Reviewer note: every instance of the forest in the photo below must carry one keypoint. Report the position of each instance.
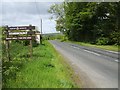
(93, 22)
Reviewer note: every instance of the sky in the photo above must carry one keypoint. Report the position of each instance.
(25, 13)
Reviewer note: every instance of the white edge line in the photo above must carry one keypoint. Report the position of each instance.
(112, 51)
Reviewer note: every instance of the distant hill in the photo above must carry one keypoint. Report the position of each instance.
(52, 34)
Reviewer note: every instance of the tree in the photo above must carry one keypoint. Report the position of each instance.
(57, 11)
(89, 21)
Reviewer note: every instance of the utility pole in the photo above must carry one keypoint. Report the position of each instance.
(41, 33)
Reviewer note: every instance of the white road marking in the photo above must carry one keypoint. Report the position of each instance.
(92, 52)
(116, 60)
(112, 51)
(75, 47)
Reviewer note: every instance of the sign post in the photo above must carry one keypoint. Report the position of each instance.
(7, 44)
(31, 50)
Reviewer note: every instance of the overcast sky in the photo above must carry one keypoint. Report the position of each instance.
(25, 13)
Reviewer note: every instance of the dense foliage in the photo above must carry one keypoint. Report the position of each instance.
(93, 22)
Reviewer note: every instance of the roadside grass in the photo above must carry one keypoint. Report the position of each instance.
(105, 47)
(18, 57)
(44, 70)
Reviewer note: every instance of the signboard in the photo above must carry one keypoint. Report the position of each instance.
(21, 28)
(19, 38)
(17, 34)
(22, 33)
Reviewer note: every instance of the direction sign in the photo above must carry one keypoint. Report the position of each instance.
(19, 38)
(22, 33)
(17, 33)
(21, 28)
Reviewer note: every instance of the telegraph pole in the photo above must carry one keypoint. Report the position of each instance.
(41, 33)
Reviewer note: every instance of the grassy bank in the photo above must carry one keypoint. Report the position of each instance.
(105, 47)
(45, 70)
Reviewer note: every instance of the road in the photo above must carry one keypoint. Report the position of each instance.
(96, 70)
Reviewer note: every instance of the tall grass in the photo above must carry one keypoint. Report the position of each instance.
(45, 70)
(18, 57)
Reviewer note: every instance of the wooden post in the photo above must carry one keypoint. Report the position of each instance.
(7, 50)
(7, 44)
(41, 33)
(31, 51)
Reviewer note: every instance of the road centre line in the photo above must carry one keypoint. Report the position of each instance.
(75, 47)
(92, 53)
(87, 51)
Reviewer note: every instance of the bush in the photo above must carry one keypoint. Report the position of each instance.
(102, 41)
(64, 38)
(35, 44)
(115, 38)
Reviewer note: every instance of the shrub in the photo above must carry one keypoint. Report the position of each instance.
(115, 38)
(102, 41)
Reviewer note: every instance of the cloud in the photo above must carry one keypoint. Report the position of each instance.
(25, 13)
(33, 0)
(25, 7)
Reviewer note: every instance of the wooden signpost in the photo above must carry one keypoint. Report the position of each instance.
(7, 43)
(19, 33)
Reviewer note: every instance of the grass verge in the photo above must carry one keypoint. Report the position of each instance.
(105, 47)
(45, 70)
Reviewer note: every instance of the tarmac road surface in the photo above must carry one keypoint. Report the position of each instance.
(96, 70)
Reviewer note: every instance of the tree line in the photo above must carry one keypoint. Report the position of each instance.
(93, 22)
